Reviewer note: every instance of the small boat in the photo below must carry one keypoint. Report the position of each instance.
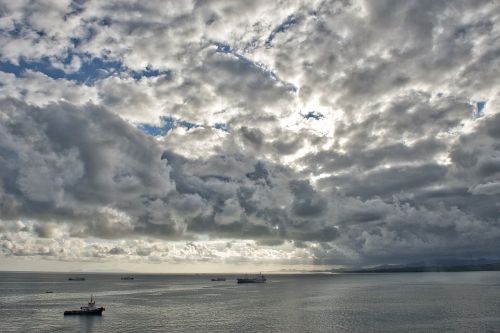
(89, 310)
(218, 279)
(127, 278)
(256, 279)
(76, 279)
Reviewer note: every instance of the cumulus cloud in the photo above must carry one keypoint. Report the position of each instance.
(328, 132)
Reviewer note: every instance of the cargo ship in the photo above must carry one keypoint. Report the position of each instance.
(257, 279)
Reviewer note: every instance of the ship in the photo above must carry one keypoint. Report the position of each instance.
(218, 279)
(127, 278)
(76, 279)
(89, 310)
(257, 279)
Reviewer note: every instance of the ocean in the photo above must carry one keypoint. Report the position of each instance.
(396, 302)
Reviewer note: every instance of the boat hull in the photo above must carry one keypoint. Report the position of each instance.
(95, 312)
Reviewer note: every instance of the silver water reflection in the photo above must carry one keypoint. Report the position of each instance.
(416, 302)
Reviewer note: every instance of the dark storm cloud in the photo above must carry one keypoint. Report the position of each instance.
(477, 154)
(414, 115)
(389, 181)
(288, 143)
(249, 215)
(71, 163)
(253, 136)
(306, 202)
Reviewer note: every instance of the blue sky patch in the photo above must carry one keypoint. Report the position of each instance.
(479, 108)
(149, 72)
(167, 123)
(221, 126)
(155, 130)
(314, 115)
(223, 47)
(92, 69)
(186, 124)
(289, 22)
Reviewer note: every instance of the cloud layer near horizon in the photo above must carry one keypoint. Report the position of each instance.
(326, 132)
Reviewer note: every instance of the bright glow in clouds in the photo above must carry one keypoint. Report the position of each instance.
(236, 136)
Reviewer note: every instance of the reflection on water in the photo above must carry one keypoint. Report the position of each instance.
(87, 323)
(417, 302)
(84, 323)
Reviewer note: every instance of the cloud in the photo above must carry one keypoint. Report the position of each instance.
(486, 189)
(70, 162)
(328, 132)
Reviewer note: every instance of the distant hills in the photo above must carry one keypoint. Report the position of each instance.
(437, 266)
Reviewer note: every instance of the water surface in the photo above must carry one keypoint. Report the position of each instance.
(397, 302)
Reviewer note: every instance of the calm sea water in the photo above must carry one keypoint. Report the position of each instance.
(405, 302)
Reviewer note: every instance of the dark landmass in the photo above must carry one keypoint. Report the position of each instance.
(420, 267)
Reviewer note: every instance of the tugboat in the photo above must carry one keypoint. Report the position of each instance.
(88, 310)
(257, 279)
(218, 279)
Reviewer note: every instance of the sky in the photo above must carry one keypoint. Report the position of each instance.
(202, 136)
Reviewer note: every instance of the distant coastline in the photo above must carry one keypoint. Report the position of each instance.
(424, 268)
